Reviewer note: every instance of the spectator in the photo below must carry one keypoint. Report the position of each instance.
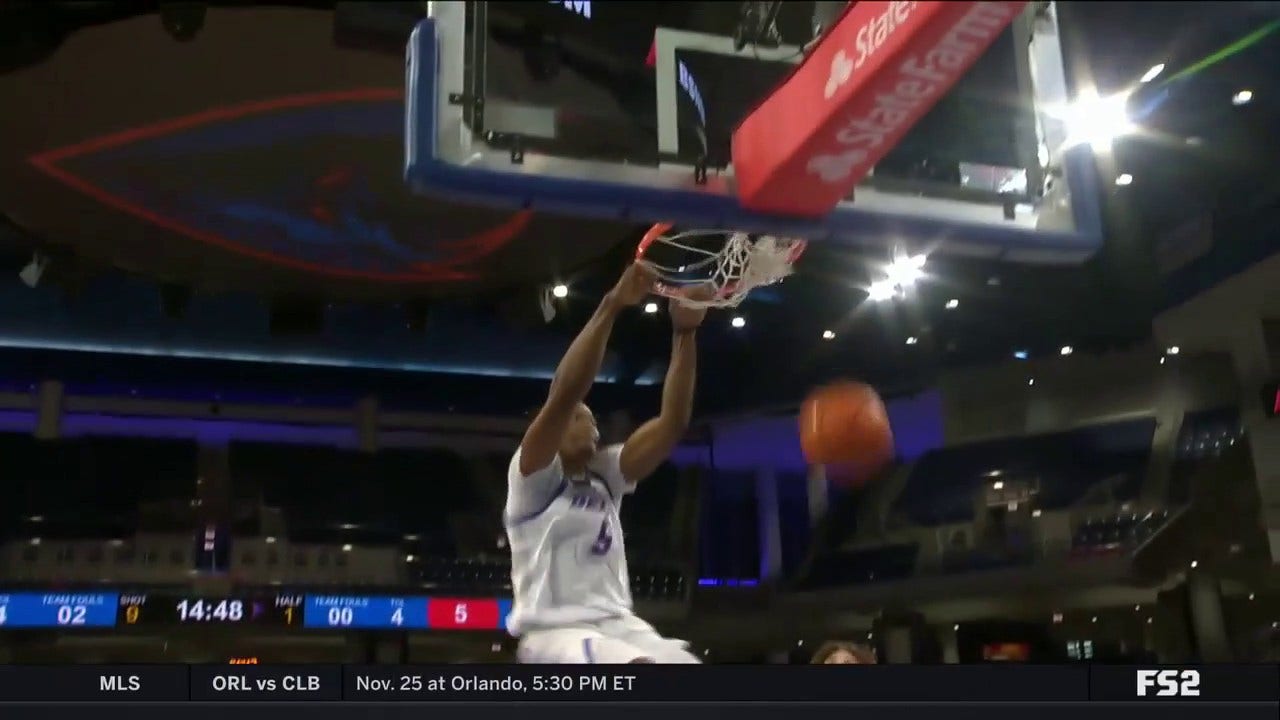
(843, 653)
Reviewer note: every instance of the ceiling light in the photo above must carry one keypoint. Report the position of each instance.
(1194, 141)
(1195, 563)
(346, 548)
(270, 540)
(913, 340)
(1250, 596)
(1031, 382)
(1124, 179)
(1035, 513)
(1066, 350)
(1172, 350)
(881, 290)
(1096, 121)
(1137, 608)
(997, 485)
(1093, 619)
(828, 335)
(651, 307)
(955, 628)
(738, 321)
(1020, 354)
(1242, 98)
(560, 291)
(952, 304)
(1161, 361)
(1153, 73)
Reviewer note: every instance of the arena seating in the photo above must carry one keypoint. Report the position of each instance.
(1065, 466)
(1204, 435)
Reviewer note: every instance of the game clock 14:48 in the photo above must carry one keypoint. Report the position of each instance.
(140, 609)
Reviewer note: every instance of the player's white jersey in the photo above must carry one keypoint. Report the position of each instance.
(568, 563)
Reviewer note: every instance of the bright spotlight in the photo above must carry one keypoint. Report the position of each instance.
(881, 290)
(900, 276)
(1020, 354)
(1097, 121)
(1153, 73)
(828, 335)
(1066, 350)
(560, 291)
(1124, 179)
(952, 304)
(913, 340)
(738, 321)
(1173, 350)
(651, 308)
(1244, 97)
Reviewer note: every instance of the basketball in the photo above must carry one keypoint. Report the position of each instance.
(844, 424)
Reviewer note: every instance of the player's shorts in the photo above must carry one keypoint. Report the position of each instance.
(617, 641)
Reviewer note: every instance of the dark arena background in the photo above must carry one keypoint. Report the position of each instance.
(282, 286)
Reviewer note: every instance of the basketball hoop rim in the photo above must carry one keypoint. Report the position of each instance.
(655, 233)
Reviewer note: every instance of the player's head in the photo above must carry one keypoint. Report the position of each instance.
(843, 653)
(582, 436)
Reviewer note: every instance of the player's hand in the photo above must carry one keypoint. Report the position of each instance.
(686, 319)
(635, 284)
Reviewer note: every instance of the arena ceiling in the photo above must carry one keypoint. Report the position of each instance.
(210, 164)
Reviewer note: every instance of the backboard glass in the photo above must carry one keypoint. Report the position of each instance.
(630, 111)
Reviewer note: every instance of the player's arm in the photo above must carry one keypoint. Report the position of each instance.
(652, 443)
(577, 371)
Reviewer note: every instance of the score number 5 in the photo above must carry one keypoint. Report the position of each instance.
(460, 613)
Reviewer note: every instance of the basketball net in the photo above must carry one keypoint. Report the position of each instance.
(725, 265)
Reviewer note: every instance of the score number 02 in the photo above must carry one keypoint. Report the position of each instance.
(65, 615)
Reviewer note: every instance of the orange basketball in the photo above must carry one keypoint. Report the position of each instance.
(845, 425)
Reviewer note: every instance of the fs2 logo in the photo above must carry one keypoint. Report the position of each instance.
(1169, 683)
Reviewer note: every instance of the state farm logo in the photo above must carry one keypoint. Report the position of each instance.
(834, 168)
(841, 71)
(866, 42)
(908, 92)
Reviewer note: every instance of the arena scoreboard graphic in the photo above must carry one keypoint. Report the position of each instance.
(114, 609)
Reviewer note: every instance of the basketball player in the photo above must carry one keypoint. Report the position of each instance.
(568, 565)
(843, 653)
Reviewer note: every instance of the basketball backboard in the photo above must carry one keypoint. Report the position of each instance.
(652, 112)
